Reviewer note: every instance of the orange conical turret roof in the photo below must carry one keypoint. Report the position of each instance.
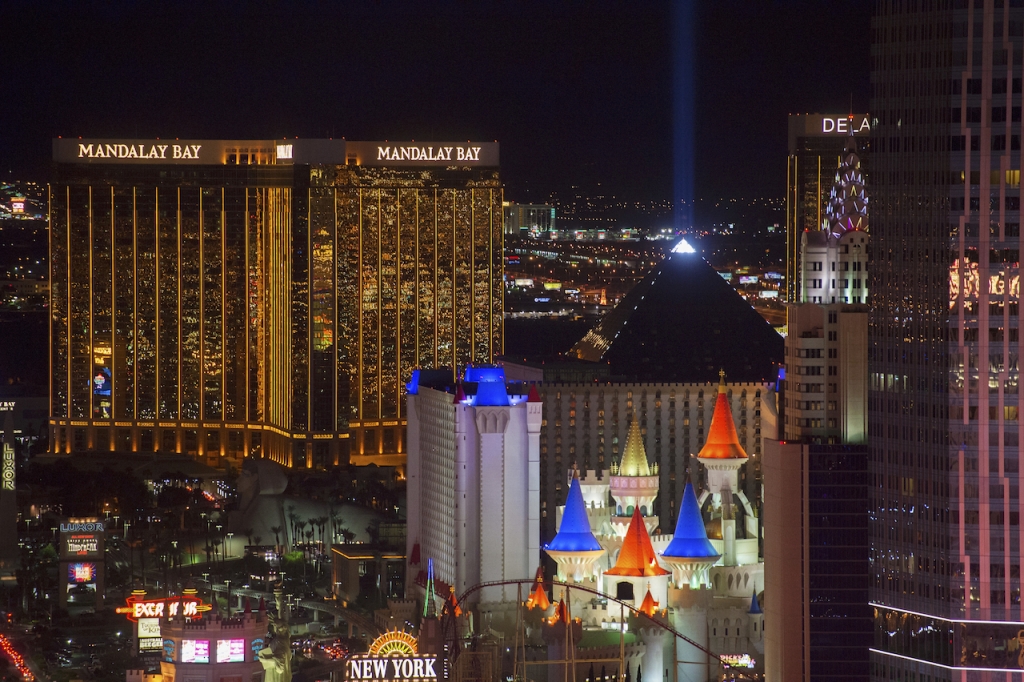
(636, 558)
(538, 599)
(649, 606)
(722, 441)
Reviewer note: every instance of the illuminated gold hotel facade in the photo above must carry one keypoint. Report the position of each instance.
(227, 299)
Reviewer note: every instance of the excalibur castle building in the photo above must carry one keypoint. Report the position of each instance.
(227, 298)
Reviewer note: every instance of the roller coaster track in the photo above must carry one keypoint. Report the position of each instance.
(451, 633)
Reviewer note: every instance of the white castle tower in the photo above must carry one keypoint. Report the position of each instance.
(634, 483)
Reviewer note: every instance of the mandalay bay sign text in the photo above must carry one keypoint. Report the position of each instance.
(291, 152)
(423, 153)
(138, 151)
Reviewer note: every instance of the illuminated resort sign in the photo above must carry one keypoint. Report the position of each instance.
(827, 125)
(137, 151)
(263, 152)
(139, 608)
(100, 150)
(414, 153)
(81, 525)
(392, 656)
(8, 467)
(844, 125)
(423, 154)
(394, 668)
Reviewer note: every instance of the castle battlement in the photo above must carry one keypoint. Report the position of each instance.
(593, 477)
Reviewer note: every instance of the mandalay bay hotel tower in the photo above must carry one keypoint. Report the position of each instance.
(233, 298)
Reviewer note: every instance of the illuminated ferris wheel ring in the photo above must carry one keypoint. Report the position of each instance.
(394, 643)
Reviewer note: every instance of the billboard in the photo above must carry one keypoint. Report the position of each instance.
(195, 651)
(150, 644)
(149, 627)
(230, 650)
(81, 545)
(748, 279)
(81, 539)
(82, 573)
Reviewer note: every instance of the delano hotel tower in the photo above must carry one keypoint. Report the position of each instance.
(233, 298)
(946, 507)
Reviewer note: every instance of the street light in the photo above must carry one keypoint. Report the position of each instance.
(227, 545)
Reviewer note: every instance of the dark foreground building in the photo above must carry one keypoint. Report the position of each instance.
(818, 623)
(944, 340)
(228, 298)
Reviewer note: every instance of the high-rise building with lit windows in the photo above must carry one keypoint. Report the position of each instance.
(944, 345)
(817, 142)
(225, 298)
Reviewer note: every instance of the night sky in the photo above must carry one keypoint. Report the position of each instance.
(578, 93)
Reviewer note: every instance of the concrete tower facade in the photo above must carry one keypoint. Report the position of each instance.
(473, 480)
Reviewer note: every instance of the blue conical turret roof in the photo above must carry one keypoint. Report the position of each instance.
(691, 538)
(574, 534)
(755, 608)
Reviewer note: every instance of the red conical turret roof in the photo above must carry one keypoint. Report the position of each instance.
(722, 441)
(636, 558)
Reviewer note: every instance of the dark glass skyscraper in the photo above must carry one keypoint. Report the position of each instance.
(231, 298)
(944, 343)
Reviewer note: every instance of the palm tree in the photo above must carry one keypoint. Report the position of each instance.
(321, 523)
(335, 524)
(277, 538)
(293, 518)
(248, 535)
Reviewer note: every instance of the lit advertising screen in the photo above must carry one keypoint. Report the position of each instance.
(195, 651)
(151, 644)
(82, 573)
(149, 627)
(85, 545)
(748, 279)
(230, 650)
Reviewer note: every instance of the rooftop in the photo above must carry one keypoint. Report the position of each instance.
(683, 322)
(637, 558)
(722, 441)
(574, 534)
